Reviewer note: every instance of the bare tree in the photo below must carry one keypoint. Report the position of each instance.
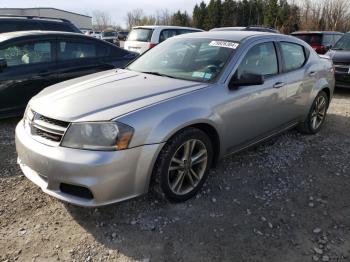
(325, 15)
(101, 20)
(134, 18)
(163, 17)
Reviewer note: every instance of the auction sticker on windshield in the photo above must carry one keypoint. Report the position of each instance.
(226, 44)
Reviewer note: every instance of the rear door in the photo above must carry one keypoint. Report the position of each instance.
(30, 67)
(298, 79)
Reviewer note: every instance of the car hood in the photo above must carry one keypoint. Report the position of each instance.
(107, 95)
(339, 55)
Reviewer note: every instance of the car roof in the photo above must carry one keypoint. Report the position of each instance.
(16, 34)
(236, 36)
(316, 32)
(247, 28)
(166, 27)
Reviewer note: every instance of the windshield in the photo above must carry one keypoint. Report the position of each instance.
(109, 33)
(140, 34)
(343, 43)
(200, 60)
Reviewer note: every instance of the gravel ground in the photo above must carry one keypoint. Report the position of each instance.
(285, 200)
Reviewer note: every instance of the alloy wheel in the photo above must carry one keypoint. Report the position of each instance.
(187, 166)
(319, 113)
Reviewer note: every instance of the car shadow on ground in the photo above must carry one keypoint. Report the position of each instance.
(254, 207)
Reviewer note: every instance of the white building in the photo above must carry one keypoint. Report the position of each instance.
(83, 22)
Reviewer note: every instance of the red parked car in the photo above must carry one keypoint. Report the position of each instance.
(320, 41)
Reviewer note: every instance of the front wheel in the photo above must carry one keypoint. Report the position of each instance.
(317, 115)
(183, 165)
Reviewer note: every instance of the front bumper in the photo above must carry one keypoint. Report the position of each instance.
(110, 176)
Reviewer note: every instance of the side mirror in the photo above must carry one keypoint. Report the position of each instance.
(3, 64)
(246, 79)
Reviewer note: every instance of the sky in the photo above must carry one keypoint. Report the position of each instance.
(116, 8)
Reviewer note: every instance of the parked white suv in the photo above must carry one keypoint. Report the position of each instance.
(142, 38)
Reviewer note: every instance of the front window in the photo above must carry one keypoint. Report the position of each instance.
(259, 60)
(343, 43)
(27, 53)
(140, 34)
(200, 60)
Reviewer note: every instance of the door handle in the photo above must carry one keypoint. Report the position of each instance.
(313, 73)
(278, 85)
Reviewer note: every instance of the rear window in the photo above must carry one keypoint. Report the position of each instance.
(53, 26)
(140, 34)
(311, 39)
(107, 34)
(293, 54)
(11, 26)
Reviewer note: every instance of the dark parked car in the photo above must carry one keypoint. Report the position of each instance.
(340, 54)
(257, 28)
(9, 23)
(320, 41)
(123, 35)
(33, 60)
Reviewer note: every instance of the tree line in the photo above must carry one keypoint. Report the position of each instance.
(285, 15)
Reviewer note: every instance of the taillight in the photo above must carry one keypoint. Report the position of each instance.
(320, 49)
(151, 45)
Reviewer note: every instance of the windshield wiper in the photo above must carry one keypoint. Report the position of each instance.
(157, 74)
(337, 48)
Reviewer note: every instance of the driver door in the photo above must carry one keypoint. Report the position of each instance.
(253, 112)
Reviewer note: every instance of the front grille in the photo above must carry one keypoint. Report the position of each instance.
(53, 121)
(47, 130)
(46, 135)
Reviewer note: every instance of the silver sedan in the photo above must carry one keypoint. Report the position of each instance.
(168, 117)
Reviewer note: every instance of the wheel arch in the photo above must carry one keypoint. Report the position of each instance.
(207, 128)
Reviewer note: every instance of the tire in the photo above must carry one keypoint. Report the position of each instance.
(172, 168)
(317, 110)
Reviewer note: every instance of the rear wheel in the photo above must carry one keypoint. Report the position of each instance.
(183, 165)
(317, 115)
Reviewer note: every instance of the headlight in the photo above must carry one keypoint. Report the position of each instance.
(28, 114)
(27, 117)
(105, 136)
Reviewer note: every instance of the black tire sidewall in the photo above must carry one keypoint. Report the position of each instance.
(163, 162)
(309, 124)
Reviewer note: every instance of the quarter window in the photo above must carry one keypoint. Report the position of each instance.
(294, 56)
(260, 60)
(167, 33)
(27, 53)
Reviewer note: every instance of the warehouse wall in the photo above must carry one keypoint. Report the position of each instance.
(81, 21)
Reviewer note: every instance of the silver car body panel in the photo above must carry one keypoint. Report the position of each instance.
(158, 107)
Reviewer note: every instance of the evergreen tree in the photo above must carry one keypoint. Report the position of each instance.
(214, 14)
(271, 15)
(229, 13)
(180, 19)
(200, 15)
